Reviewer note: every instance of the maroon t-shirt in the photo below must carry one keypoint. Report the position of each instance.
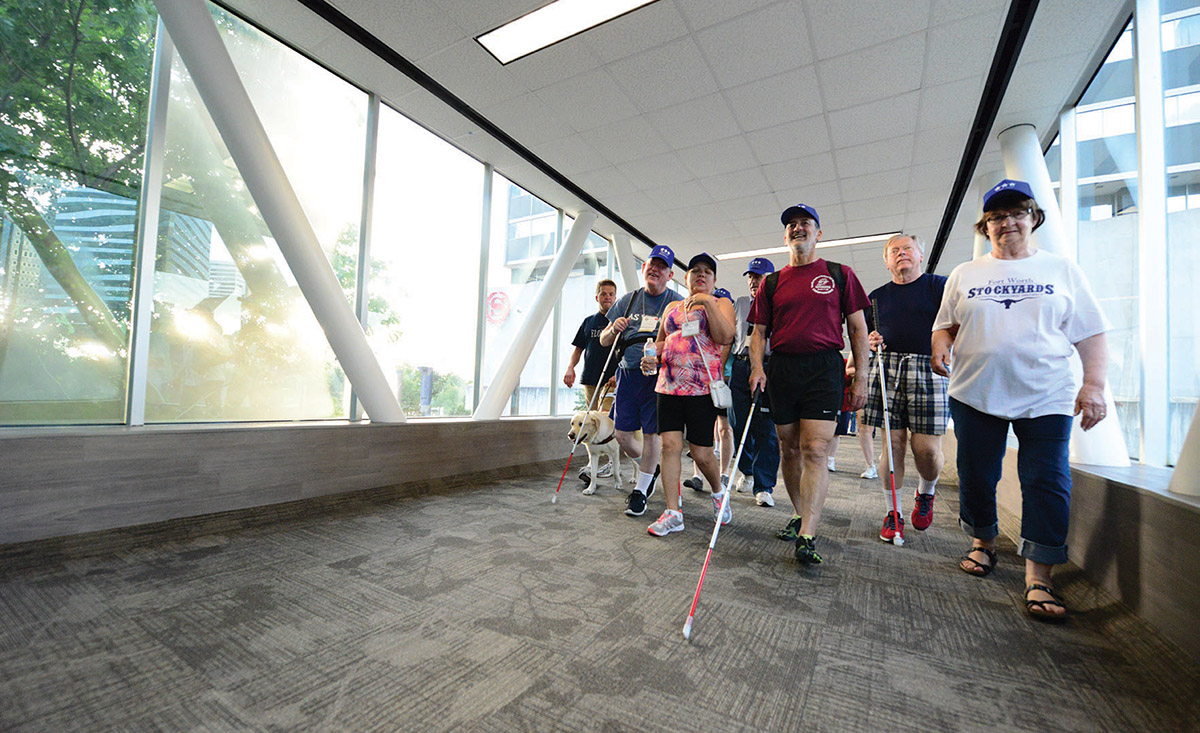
(806, 313)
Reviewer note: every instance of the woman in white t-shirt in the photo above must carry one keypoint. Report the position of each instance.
(1013, 317)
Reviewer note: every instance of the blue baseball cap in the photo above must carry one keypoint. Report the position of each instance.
(1004, 191)
(664, 253)
(759, 266)
(795, 210)
(722, 293)
(703, 258)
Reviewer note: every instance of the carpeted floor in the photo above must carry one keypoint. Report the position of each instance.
(490, 609)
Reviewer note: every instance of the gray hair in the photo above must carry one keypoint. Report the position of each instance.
(916, 240)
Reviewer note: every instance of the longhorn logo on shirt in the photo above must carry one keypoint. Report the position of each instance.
(823, 285)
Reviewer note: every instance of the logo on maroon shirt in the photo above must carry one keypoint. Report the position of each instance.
(823, 285)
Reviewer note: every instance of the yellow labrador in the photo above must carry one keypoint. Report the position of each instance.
(595, 432)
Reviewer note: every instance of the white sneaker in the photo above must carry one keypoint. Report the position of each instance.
(669, 521)
(871, 472)
(728, 515)
(745, 484)
(829, 462)
(605, 470)
(764, 498)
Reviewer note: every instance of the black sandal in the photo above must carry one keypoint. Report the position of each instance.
(1037, 609)
(980, 570)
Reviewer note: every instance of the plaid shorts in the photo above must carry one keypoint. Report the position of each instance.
(917, 399)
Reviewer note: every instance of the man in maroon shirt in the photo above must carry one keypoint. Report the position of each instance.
(802, 316)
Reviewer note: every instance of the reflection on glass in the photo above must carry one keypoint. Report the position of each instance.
(74, 87)
(425, 268)
(232, 337)
(521, 248)
(1181, 105)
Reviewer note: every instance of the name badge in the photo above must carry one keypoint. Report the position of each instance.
(649, 324)
(690, 328)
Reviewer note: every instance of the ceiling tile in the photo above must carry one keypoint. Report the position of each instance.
(773, 101)
(679, 195)
(626, 140)
(928, 198)
(874, 185)
(695, 121)
(664, 75)
(819, 195)
(791, 140)
(894, 67)
(604, 182)
(790, 174)
(415, 29)
(954, 102)
(656, 171)
(938, 175)
(645, 28)
(563, 60)
(472, 73)
(877, 206)
(629, 206)
(527, 119)
(875, 121)
(570, 155)
(726, 186)
(476, 18)
(749, 206)
(754, 46)
(839, 27)
(719, 156)
(703, 13)
(939, 143)
(878, 156)
(763, 225)
(588, 100)
(962, 49)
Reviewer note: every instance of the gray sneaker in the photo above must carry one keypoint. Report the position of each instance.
(764, 498)
(745, 484)
(669, 521)
(727, 515)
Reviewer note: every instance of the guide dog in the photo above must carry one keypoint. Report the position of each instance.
(595, 431)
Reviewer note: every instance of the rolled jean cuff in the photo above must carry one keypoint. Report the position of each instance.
(981, 533)
(1044, 554)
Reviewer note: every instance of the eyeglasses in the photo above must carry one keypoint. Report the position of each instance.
(999, 217)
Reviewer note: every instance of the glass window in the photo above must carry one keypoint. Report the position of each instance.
(425, 267)
(578, 302)
(512, 285)
(72, 132)
(232, 336)
(1181, 67)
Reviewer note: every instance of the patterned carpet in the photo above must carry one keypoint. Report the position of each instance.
(488, 608)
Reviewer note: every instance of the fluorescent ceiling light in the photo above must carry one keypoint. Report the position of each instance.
(820, 245)
(550, 24)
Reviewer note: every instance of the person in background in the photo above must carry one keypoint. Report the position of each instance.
(587, 345)
(801, 310)
(847, 419)
(917, 403)
(759, 465)
(724, 434)
(1012, 319)
(634, 318)
(689, 358)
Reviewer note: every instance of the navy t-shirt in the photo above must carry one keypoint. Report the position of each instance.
(588, 339)
(906, 313)
(644, 306)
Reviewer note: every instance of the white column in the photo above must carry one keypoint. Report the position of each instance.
(625, 261)
(199, 45)
(1069, 179)
(1152, 231)
(147, 230)
(362, 299)
(1186, 478)
(1103, 445)
(1024, 161)
(505, 381)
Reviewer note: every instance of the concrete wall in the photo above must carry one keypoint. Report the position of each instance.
(1128, 535)
(56, 482)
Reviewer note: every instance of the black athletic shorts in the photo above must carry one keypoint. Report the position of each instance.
(805, 386)
(694, 416)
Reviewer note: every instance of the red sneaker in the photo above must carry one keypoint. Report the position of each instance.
(922, 514)
(888, 533)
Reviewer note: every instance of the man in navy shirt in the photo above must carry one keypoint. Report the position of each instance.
(587, 344)
(918, 406)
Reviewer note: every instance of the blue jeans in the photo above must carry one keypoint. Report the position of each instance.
(1042, 468)
(760, 457)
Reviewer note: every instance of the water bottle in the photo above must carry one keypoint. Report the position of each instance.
(651, 352)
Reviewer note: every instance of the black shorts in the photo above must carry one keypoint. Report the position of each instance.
(805, 386)
(694, 416)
